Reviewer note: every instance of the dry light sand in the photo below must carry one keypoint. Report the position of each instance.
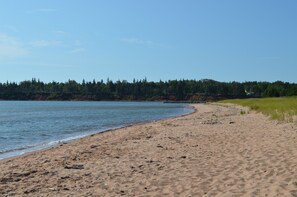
(212, 152)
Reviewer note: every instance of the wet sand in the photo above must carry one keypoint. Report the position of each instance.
(215, 151)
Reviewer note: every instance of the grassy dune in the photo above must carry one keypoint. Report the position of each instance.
(283, 108)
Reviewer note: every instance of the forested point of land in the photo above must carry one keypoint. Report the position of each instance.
(143, 90)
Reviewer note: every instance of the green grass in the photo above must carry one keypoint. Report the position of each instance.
(283, 108)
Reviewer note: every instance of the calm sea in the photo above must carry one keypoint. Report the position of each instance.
(32, 125)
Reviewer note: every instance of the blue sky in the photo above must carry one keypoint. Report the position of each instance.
(224, 40)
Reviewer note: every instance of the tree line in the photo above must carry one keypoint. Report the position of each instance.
(143, 90)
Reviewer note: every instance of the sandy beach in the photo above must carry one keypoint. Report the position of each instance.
(216, 151)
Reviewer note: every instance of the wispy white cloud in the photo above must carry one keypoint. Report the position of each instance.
(78, 50)
(78, 47)
(77, 43)
(60, 32)
(143, 42)
(10, 47)
(45, 43)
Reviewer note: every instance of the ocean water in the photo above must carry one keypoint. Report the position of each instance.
(26, 126)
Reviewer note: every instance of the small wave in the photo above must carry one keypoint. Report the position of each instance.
(30, 148)
(15, 149)
(52, 143)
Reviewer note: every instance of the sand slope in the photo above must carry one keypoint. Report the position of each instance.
(213, 152)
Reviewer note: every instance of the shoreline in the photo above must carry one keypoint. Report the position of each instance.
(65, 141)
(214, 151)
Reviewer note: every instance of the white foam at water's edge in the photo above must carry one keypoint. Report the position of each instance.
(36, 147)
(28, 149)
